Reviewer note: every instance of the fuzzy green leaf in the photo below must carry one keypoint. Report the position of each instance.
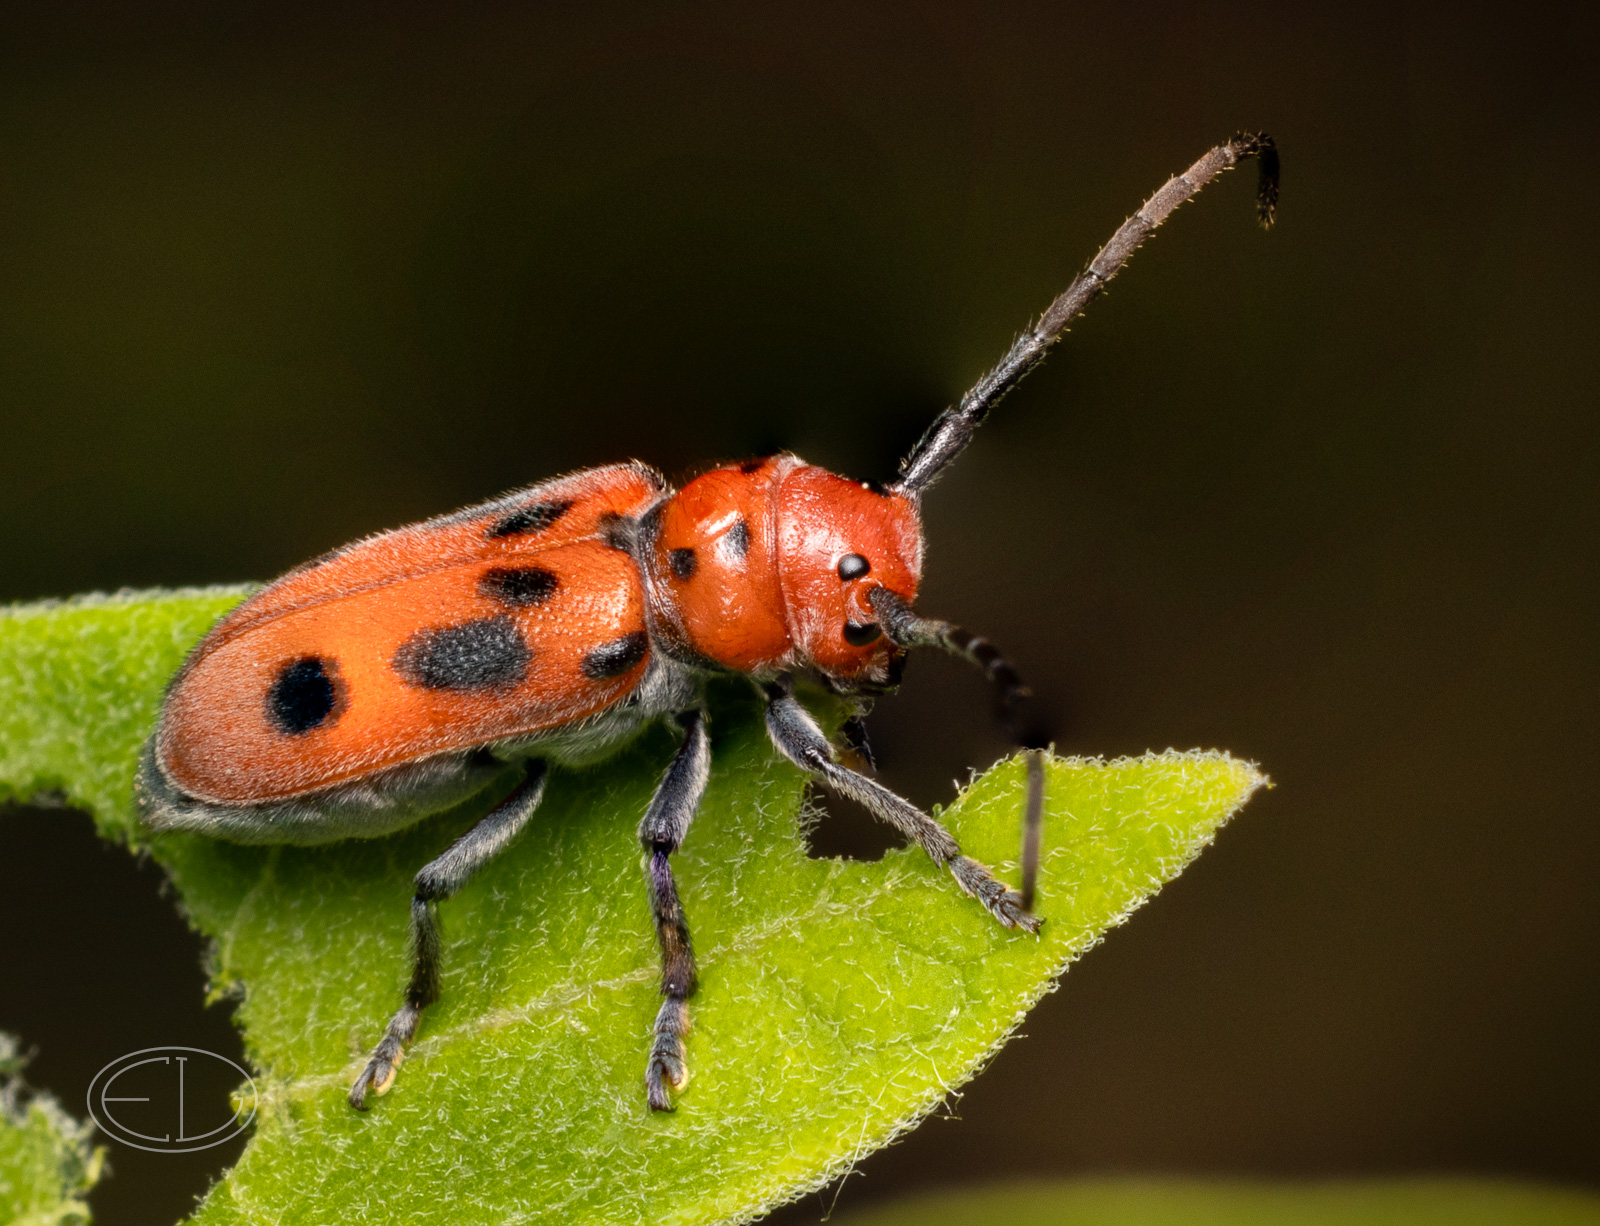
(46, 1161)
(839, 1002)
(1156, 1202)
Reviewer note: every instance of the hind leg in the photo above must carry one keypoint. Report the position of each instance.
(439, 880)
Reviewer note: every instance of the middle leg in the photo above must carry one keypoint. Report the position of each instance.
(662, 831)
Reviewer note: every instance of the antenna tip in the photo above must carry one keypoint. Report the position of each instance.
(1265, 150)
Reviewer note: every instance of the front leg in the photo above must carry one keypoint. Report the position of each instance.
(665, 824)
(438, 880)
(799, 739)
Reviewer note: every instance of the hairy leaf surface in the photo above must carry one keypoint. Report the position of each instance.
(47, 1163)
(839, 1001)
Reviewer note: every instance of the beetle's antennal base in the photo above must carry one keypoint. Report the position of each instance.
(952, 430)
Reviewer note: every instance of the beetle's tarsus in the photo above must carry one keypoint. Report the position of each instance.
(376, 1079)
(668, 1066)
(1004, 904)
(378, 1076)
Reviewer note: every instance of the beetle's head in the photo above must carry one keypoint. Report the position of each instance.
(837, 540)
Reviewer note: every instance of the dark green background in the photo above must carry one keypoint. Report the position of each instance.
(271, 279)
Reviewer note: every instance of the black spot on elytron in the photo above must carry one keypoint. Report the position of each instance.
(853, 566)
(304, 696)
(738, 538)
(616, 657)
(860, 636)
(535, 517)
(615, 531)
(753, 466)
(519, 586)
(683, 563)
(487, 653)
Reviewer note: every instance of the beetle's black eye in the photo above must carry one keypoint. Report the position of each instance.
(860, 636)
(853, 566)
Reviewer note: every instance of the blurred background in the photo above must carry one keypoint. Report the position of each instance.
(276, 276)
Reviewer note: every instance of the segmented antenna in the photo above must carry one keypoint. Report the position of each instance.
(905, 628)
(1032, 827)
(952, 430)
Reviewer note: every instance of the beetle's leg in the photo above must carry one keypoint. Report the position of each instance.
(799, 739)
(665, 823)
(439, 880)
(905, 628)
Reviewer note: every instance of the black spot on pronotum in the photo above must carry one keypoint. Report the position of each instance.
(860, 636)
(738, 539)
(306, 694)
(683, 563)
(519, 586)
(853, 566)
(487, 653)
(753, 466)
(535, 517)
(616, 657)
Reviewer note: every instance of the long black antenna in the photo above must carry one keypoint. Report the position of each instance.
(952, 430)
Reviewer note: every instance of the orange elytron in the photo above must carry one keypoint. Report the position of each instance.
(403, 674)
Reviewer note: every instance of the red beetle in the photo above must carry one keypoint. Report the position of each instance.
(400, 675)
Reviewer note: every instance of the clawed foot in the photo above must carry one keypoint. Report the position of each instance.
(377, 1077)
(668, 1064)
(1004, 904)
(666, 1068)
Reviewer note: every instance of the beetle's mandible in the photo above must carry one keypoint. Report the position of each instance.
(400, 675)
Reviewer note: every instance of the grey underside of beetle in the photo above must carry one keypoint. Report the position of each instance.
(392, 799)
